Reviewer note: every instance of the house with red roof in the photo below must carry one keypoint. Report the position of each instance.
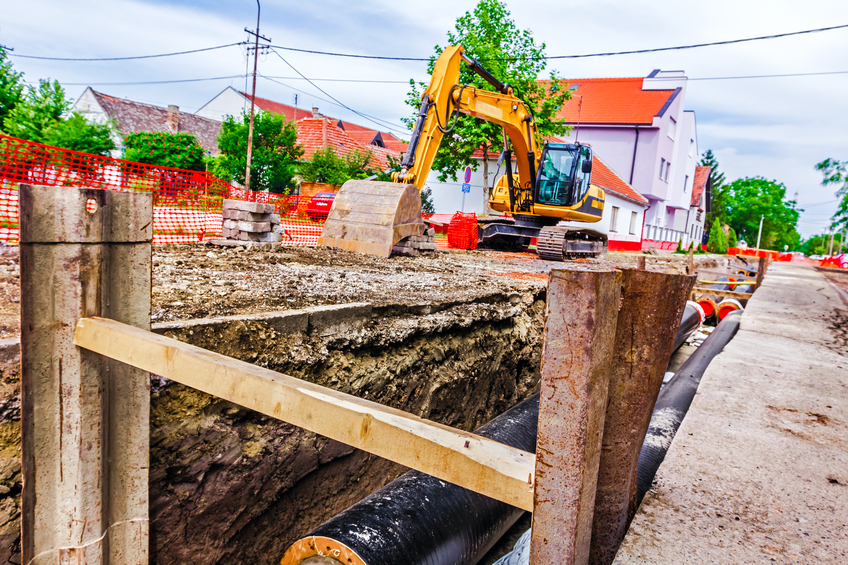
(640, 127)
(314, 130)
(129, 116)
(699, 205)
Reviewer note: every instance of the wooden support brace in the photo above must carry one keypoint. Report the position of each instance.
(761, 271)
(462, 458)
(582, 308)
(702, 290)
(84, 419)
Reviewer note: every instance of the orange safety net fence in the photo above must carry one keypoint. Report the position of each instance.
(187, 205)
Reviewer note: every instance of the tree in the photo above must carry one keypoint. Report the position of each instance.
(719, 199)
(427, 206)
(836, 173)
(512, 55)
(275, 151)
(326, 166)
(39, 109)
(11, 87)
(731, 238)
(717, 243)
(165, 149)
(78, 134)
(755, 197)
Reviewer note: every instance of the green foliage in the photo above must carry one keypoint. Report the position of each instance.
(731, 238)
(427, 205)
(326, 166)
(719, 203)
(275, 152)
(78, 134)
(751, 198)
(39, 109)
(717, 242)
(836, 173)
(512, 56)
(163, 149)
(820, 244)
(11, 88)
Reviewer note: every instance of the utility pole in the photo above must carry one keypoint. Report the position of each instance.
(830, 252)
(759, 233)
(253, 95)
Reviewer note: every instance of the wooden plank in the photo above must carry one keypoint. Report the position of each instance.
(761, 271)
(462, 458)
(700, 291)
(700, 272)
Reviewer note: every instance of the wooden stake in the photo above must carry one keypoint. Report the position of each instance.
(582, 309)
(652, 306)
(761, 271)
(640, 262)
(84, 419)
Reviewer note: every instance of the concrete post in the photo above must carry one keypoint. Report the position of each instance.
(582, 309)
(652, 306)
(640, 262)
(85, 418)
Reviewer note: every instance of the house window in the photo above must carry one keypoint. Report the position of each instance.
(691, 147)
(667, 167)
(662, 166)
(633, 217)
(672, 125)
(686, 183)
(614, 218)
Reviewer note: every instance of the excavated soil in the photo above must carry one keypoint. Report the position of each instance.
(454, 337)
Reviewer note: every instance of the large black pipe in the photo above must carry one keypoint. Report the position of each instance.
(420, 520)
(690, 322)
(674, 401)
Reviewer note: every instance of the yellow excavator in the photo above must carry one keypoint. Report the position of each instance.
(551, 184)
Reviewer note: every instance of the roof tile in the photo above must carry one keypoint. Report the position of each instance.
(612, 101)
(699, 183)
(606, 178)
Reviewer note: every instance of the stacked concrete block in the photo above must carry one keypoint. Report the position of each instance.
(415, 244)
(251, 221)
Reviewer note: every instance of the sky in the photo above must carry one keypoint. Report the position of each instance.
(777, 128)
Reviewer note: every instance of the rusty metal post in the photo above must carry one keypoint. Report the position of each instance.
(690, 262)
(652, 306)
(640, 262)
(761, 272)
(85, 419)
(582, 309)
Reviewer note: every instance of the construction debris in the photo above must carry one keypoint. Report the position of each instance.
(413, 244)
(251, 221)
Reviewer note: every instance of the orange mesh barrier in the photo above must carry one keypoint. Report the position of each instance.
(462, 231)
(186, 204)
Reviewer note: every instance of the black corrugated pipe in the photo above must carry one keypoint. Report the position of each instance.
(674, 401)
(420, 520)
(693, 317)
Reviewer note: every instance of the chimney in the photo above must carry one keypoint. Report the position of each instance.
(173, 119)
(315, 112)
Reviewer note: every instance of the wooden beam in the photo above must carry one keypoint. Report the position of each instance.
(462, 458)
(723, 274)
(701, 290)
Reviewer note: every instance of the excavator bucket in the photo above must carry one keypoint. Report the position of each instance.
(370, 217)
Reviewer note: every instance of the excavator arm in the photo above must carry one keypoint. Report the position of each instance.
(445, 96)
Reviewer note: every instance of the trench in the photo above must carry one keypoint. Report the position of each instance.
(228, 485)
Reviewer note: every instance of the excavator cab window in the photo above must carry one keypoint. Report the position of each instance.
(562, 164)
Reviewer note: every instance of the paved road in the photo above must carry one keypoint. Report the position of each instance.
(758, 472)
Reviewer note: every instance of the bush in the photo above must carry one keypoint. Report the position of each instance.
(731, 238)
(162, 149)
(717, 242)
(328, 167)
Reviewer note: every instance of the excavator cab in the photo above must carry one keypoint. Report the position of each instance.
(564, 174)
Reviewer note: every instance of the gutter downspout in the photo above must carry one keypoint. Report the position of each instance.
(642, 234)
(635, 147)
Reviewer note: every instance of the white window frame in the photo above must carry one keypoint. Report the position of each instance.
(685, 183)
(613, 219)
(691, 147)
(633, 217)
(672, 127)
(662, 166)
(667, 167)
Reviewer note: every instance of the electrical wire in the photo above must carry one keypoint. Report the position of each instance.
(124, 58)
(606, 54)
(337, 101)
(149, 82)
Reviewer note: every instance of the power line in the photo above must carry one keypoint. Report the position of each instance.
(124, 58)
(344, 80)
(149, 81)
(336, 100)
(606, 54)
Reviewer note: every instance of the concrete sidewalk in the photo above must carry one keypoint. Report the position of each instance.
(758, 472)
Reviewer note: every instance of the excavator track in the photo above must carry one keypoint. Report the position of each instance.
(558, 243)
